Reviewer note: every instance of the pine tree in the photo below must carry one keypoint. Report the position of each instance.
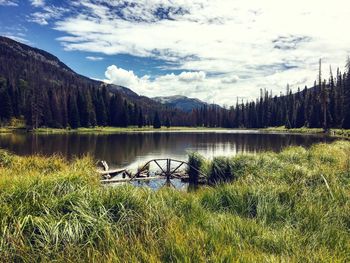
(35, 107)
(140, 121)
(83, 110)
(101, 112)
(56, 110)
(74, 121)
(124, 117)
(346, 122)
(113, 116)
(156, 121)
(6, 111)
(90, 110)
(167, 122)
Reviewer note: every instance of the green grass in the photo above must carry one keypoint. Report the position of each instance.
(18, 126)
(119, 129)
(13, 125)
(294, 130)
(10, 129)
(293, 206)
(341, 133)
(196, 163)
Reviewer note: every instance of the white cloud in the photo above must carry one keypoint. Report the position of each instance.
(192, 76)
(230, 80)
(46, 14)
(192, 84)
(235, 47)
(37, 3)
(122, 77)
(8, 2)
(92, 58)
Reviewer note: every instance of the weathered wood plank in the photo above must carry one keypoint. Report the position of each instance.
(111, 172)
(127, 180)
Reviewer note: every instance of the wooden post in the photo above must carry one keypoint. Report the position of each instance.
(168, 169)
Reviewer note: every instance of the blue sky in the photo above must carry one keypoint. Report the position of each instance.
(215, 50)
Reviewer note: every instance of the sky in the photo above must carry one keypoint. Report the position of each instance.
(215, 50)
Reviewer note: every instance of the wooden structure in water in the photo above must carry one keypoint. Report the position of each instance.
(167, 172)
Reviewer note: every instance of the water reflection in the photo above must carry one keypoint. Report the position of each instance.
(122, 150)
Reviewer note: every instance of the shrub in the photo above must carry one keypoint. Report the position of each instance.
(195, 161)
(5, 158)
(220, 170)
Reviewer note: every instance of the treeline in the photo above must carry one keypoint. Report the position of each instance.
(59, 108)
(325, 105)
(47, 94)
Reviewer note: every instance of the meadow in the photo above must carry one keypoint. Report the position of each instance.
(292, 206)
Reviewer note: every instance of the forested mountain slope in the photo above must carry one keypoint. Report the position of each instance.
(38, 86)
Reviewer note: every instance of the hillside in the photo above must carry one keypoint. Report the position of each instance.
(37, 85)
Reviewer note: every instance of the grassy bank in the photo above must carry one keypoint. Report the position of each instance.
(293, 206)
(104, 130)
(113, 129)
(341, 133)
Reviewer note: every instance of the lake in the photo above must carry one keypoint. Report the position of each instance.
(134, 149)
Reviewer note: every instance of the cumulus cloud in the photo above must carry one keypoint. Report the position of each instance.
(122, 77)
(192, 76)
(184, 83)
(215, 89)
(234, 47)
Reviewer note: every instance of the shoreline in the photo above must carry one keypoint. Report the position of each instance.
(335, 133)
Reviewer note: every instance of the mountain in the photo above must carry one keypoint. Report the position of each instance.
(38, 86)
(183, 103)
(22, 56)
(180, 102)
(40, 89)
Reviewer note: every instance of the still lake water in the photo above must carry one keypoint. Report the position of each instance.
(134, 149)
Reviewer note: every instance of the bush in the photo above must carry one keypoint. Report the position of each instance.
(195, 161)
(220, 170)
(6, 158)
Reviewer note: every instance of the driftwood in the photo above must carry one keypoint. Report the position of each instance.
(143, 174)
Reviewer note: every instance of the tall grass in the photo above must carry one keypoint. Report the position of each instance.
(278, 208)
(196, 164)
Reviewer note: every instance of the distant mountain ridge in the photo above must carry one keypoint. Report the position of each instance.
(182, 102)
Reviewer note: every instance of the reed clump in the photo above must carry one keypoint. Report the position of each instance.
(196, 167)
(292, 206)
